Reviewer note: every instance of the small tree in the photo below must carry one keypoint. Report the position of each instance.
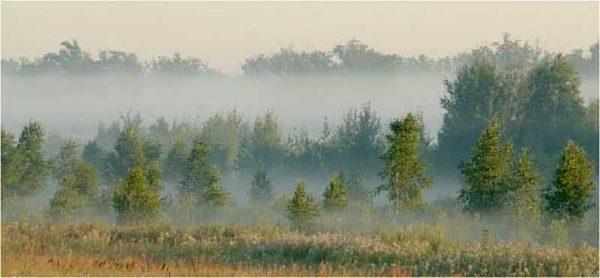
(485, 174)
(75, 190)
(403, 169)
(301, 209)
(569, 196)
(335, 195)
(523, 200)
(357, 192)
(134, 200)
(262, 189)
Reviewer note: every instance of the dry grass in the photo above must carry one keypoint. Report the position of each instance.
(159, 250)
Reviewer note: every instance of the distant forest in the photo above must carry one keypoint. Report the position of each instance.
(353, 57)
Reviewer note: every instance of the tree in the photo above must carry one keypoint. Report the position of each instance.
(523, 201)
(75, 189)
(403, 168)
(357, 193)
(570, 194)
(266, 142)
(356, 140)
(262, 189)
(178, 65)
(12, 165)
(480, 93)
(36, 169)
(94, 154)
(301, 209)
(128, 150)
(175, 161)
(201, 177)
(553, 111)
(485, 173)
(335, 195)
(135, 201)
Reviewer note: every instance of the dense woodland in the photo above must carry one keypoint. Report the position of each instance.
(516, 132)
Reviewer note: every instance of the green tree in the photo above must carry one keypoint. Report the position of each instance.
(266, 142)
(480, 93)
(94, 154)
(12, 165)
(570, 195)
(135, 201)
(301, 209)
(36, 169)
(76, 188)
(335, 197)
(128, 150)
(554, 109)
(523, 201)
(485, 173)
(403, 169)
(201, 177)
(176, 159)
(261, 188)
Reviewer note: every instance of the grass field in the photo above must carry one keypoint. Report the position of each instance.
(96, 249)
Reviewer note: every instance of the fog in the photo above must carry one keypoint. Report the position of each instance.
(74, 105)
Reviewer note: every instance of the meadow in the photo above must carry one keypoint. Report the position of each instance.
(91, 249)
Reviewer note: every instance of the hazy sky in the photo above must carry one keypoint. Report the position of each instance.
(225, 33)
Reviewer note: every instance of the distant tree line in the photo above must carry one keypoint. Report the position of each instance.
(352, 57)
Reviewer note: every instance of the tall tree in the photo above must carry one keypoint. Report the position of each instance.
(485, 173)
(12, 164)
(176, 159)
(553, 109)
(261, 188)
(479, 93)
(301, 209)
(335, 197)
(570, 195)
(403, 169)
(35, 171)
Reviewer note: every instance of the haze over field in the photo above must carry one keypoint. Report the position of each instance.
(300, 138)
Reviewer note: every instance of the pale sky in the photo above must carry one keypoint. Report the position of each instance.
(225, 33)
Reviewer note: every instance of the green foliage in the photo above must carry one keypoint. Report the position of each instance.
(553, 110)
(224, 134)
(570, 195)
(485, 173)
(479, 94)
(128, 150)
(266, 142)
(261, 188)
(403, 170)
(78, 182)
(12, 164)
(94, 154)
(356, 140)
(25, 165)
(134, 200)
(201, 177)
(335, 196)
(301, 209)
(523, 201)
(176, 159)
